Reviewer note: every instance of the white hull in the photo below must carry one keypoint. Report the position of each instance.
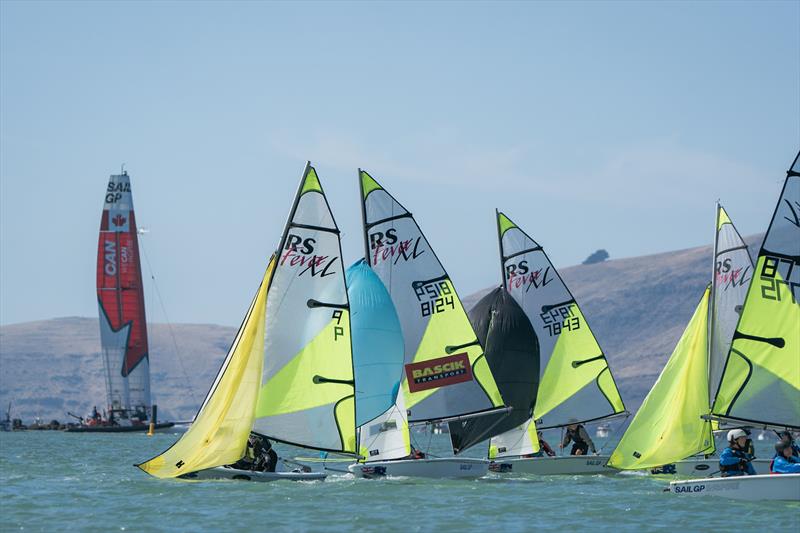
(223, 472)
(704, 467)
(753, 488)
(552, 466)
(445, 467)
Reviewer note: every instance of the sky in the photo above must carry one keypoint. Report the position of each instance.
(611, 125)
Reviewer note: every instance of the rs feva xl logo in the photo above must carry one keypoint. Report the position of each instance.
(439, 372)
(299, 252)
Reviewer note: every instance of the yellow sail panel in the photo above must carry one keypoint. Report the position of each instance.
(218, 435)
(576, 362)
(761, 381)
(317, 384)
(668, 427)
(442, 329)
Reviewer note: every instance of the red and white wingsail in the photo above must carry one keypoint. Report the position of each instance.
(120, 296)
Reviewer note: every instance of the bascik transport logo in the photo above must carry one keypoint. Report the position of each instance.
(438, 372)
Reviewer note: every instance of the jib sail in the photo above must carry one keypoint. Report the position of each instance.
(378, 364)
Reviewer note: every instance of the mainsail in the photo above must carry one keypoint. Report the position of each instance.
(512, 349)
(378, 365)
(667, 427)
(575, 382)
(289, 373)
(761, 380)
(733, 270)
(120, 296)
(446, 373)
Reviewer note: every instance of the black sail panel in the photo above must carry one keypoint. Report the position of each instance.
(512, 351)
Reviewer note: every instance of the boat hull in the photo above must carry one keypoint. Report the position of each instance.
(250, 475)
(118, 429)
(753, 488)
(569, 465)
(704, 467)
(443, 467)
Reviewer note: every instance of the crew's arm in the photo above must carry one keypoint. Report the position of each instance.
(728, 458)
(585, 436)
(782, 466)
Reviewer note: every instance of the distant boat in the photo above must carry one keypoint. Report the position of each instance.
(571, 378)
(760, 384)
(123, 328)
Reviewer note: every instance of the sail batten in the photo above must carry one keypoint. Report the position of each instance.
(446, 374)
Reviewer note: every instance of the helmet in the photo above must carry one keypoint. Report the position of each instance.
(785, 435)
(735, 434)
(781, 445)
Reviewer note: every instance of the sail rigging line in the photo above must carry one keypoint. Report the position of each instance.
(192, 391)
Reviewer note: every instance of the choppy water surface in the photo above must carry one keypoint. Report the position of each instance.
(53, 480)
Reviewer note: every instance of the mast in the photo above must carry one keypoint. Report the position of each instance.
(713, 299)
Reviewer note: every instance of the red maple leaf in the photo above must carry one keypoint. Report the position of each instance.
(118, 220)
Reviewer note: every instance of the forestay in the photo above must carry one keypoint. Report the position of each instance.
(761, 379)
(575, 383)
(446, 373)
(378, 365)
(120, 297)
(667, 427)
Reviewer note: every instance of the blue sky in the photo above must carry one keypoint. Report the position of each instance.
(593, 125)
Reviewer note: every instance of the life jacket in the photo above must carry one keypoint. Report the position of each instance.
(738, 467)
(575, 435)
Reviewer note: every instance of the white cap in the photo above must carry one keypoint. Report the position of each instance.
(735, 434)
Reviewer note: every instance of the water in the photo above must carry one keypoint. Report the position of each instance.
(52, 480)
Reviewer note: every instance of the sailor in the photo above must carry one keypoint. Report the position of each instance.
(415, 453)
(784, 461)
(544, 448)
(786, 436)
(580, 439)
(95, 414)
(264, 457)
(734, 460)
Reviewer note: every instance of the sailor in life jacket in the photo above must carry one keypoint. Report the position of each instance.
(580, 439)
(784, 461)
(734, 460)
(788, 438)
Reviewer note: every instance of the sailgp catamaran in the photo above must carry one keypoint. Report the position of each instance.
(668, 427)
(575, 384)
(760, 383)
(446, 375)
(289, 374)
(123, 328)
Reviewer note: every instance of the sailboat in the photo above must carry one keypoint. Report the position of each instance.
(575, 384)
(445, 374)
(668, 427)
(760, 384)
(288, 375)
(123, 327)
